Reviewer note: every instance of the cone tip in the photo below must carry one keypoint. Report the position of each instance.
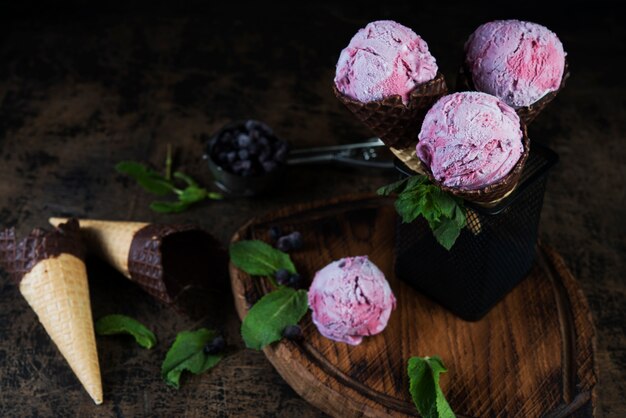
(57, 221)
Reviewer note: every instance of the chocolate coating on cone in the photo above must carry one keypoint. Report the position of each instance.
(395, 123)
(527, 114)
(18, 257)
(163, 269)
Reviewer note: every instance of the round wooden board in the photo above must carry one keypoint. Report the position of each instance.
(532, 355)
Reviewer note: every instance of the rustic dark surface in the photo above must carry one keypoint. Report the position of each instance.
(80, 91)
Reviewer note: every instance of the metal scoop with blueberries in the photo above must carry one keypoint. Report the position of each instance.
(246, 158)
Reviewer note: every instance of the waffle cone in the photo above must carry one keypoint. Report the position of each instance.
(527, 113)
(395, 123)
(109, 240)
(135, 249)
(56, 289)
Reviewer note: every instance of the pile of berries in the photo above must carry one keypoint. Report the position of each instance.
(248, 149)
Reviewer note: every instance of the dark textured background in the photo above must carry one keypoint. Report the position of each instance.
(81, 89)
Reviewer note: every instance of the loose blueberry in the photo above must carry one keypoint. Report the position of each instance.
(295, 280)
(292, 332)
(231, 156)
(282, 277)
(215, 346)
(296, 240)
(284, 244)
(275, 233)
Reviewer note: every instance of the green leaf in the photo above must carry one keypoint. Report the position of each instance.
(192, 194)
(187, 353)
(267, 319)
(443, 212)
(258, 258)
(169, 207)
(147, 178)
(185, 178)
(215, 196)
(396, 187)
(424, 387)
(122, 324)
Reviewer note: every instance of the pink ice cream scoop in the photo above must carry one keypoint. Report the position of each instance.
(470, 140)
(350, 298)
(384, 59)
(519, 62)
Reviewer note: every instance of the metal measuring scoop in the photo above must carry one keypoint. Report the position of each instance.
(368, 154)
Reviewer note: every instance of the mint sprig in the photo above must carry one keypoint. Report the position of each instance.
(122, 324)
(270, 315)
(258, 258)
(160, 185)
(424, 387)
(417, 196)
(267, 319)
(188, 353)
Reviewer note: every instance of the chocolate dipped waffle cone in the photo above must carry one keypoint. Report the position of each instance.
(526, 113)
(49, 269)
(162, 259)
(395, 123)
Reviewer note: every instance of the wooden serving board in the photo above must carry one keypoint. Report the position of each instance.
(531, 356)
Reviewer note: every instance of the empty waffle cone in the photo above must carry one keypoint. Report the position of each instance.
(52, 278)
(162, 259)
(526, 113)
(395, 123)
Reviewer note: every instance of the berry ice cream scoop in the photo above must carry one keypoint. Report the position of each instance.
(470, 140)
(519, 62)
(383, 59)
(350, 298)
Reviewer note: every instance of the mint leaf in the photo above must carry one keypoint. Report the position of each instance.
(122, 324)
(417, 197)
(424, 387)
(396, 187)
(259, 259)
(169, 207)
(185, 178)
(147, 178)
(187, 353)
(267, 319)
(192, 194)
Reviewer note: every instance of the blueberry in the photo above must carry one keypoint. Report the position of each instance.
(269, 166)
(253, 149)
(215, 346)
(275, 233)
(243, 154)
(284, 243)
(296, 240)
(242, 165)
(263, 156)
(231, 156)
(251, 125)
(294, 280)
(283, 277)
(292, 332)
(243, 140)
